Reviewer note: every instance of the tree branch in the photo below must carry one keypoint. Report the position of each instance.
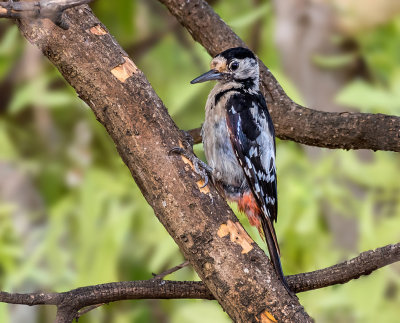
(292, 121)
(51, 9)
(71, 303)
(111, 292)
(362, 265)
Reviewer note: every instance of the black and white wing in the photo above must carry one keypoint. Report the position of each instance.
(253, 141)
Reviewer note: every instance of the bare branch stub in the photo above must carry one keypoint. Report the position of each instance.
(138, 122)
(51, 9)
(292, 121)
(171, 270)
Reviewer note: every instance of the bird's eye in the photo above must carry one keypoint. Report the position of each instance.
(234, 66)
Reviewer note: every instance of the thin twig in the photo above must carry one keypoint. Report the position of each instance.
(85, 310)
(171, 270)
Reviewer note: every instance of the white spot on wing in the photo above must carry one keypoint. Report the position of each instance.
(253, 151)
(249, 164)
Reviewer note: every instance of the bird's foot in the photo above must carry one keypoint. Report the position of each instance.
(200, 167)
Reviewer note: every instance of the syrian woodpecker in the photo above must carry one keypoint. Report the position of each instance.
(239, 142)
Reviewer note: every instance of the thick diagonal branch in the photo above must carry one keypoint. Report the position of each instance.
(292, 121)
(198, 219)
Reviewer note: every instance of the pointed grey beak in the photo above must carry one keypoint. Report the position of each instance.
(209, 76)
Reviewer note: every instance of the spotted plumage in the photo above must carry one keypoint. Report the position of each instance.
(239, 142)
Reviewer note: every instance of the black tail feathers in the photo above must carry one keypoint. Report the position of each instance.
(273, 249)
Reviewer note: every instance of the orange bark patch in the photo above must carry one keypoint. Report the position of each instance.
(237, 233)
(266, 317)
(205, 189)
(97, 30)
(124, 71)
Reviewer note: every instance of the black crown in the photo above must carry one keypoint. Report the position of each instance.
(237, 52)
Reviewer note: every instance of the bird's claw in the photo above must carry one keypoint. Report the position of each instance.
(177, 150)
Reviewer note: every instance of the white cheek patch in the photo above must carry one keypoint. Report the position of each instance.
(248, 69)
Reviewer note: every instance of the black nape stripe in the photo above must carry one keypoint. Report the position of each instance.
(219, 95)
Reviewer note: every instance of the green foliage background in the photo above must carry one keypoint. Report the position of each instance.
(95, 225)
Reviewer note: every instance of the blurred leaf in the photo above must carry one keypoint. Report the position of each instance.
(199, 312)
(8, 48)
(362, 95)
(37, 94)
(250, 17)
(9, 40)
(334, 61)
(7, 150)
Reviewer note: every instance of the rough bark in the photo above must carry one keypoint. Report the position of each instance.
(234, 269)
(292, 121)
(105, 293)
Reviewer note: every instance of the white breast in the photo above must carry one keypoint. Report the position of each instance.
(217, 146)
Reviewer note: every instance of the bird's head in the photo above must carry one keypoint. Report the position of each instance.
(233, 65)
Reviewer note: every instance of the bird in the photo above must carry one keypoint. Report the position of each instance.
(239, 143)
